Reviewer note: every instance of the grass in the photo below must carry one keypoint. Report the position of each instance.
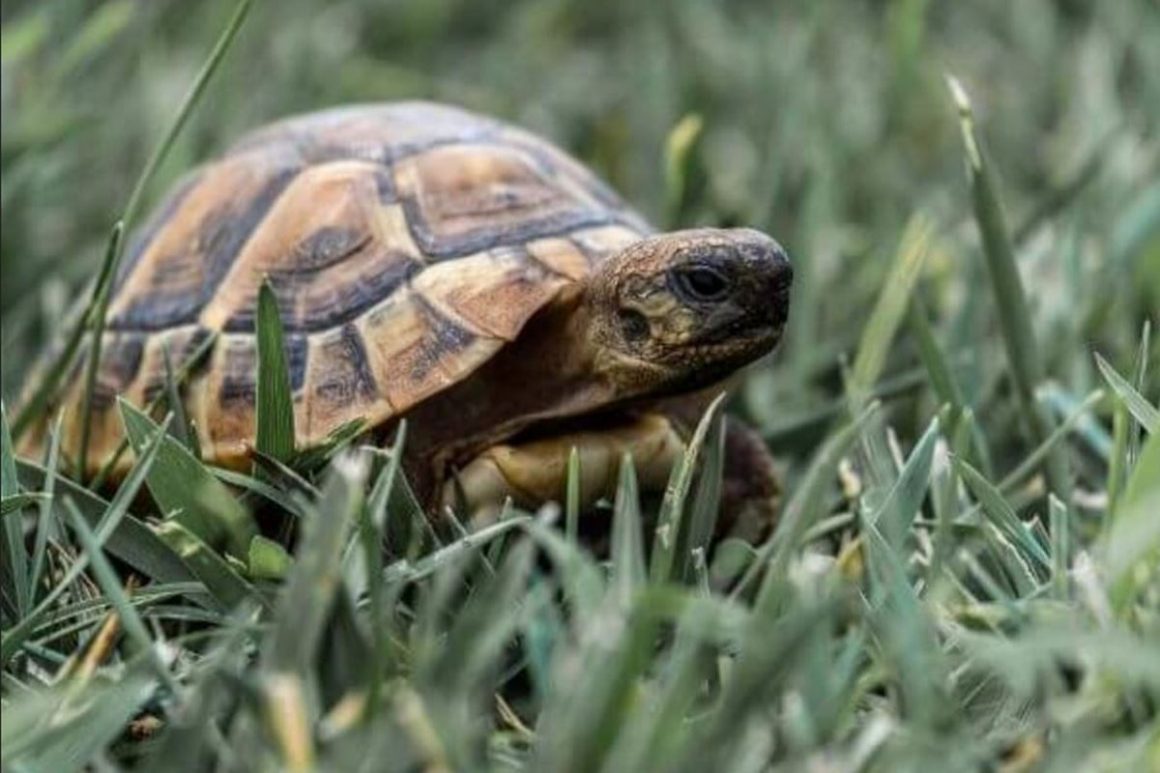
(966, 573)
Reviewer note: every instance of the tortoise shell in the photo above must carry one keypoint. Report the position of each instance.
(405, 243)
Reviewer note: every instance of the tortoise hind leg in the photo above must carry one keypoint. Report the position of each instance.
(537, 471)
(751, 488)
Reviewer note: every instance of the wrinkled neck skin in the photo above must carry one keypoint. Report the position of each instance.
(546, 373)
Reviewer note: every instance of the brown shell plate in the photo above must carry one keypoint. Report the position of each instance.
(406, 243)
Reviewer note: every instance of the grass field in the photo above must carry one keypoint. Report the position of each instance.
(966, 573)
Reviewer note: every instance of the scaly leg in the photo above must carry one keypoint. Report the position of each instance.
(537, 471)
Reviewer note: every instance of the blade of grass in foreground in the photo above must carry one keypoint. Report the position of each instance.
(706, 505)
(15, 569)
(111, 586)
(309, 591)
(627, 545)
(1000, 513)
(102, 290)
(61, 730)
(802, 510)
(106, 526)
(894, 517)
(275, 405)
(1134, 532)
(1010, 299)
(182, 486)
(572, 497)
(672, 518)
(1142, 411)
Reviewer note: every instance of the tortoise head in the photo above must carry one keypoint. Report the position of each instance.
(683, 310)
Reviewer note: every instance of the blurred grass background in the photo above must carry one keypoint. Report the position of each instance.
(915, 615)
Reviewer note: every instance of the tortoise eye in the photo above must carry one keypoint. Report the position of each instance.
(701, 283)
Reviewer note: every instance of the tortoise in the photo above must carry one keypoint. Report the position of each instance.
(439, 266)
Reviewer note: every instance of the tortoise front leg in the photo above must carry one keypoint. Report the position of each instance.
(536, 472)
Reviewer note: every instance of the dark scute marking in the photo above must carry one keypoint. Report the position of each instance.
(548, 163)
(120, 361)
(385, 186)
(156, 310)
(446, 339)
(221, 235)
(346, 302)
(196, 339)
(143, 237)
(226, 230)
(183, 343)
(444, 247)
(296, 349)
(348, 375)
(326, 247)
(239, 376)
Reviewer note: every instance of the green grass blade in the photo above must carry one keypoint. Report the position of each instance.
(1133, 538)
(54, 372)
(111, 586)
(1036, 457)
(132, 541)
(1001, 514)
(943, 380)
(15, 568)
(1060, 521)
(17, 502)
(1142, 411)
(580, 578)
(310, 589)
(180, 427)
(628, 569)
(1140, 381)
(577, 730)
(452, 552)
(680, 165)
(372, 536)
(672, 520)
(909, 642)
(275, 404)
(380, 496)
(44, 517)
(97, 312)
(1011, 305)
(803, 508)
(183, 487)
(284, 499)
(572, 497)
(217, 574)
(706, 502)
(107, 521)
(889, 311)
(897, 512)
(63, 730)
